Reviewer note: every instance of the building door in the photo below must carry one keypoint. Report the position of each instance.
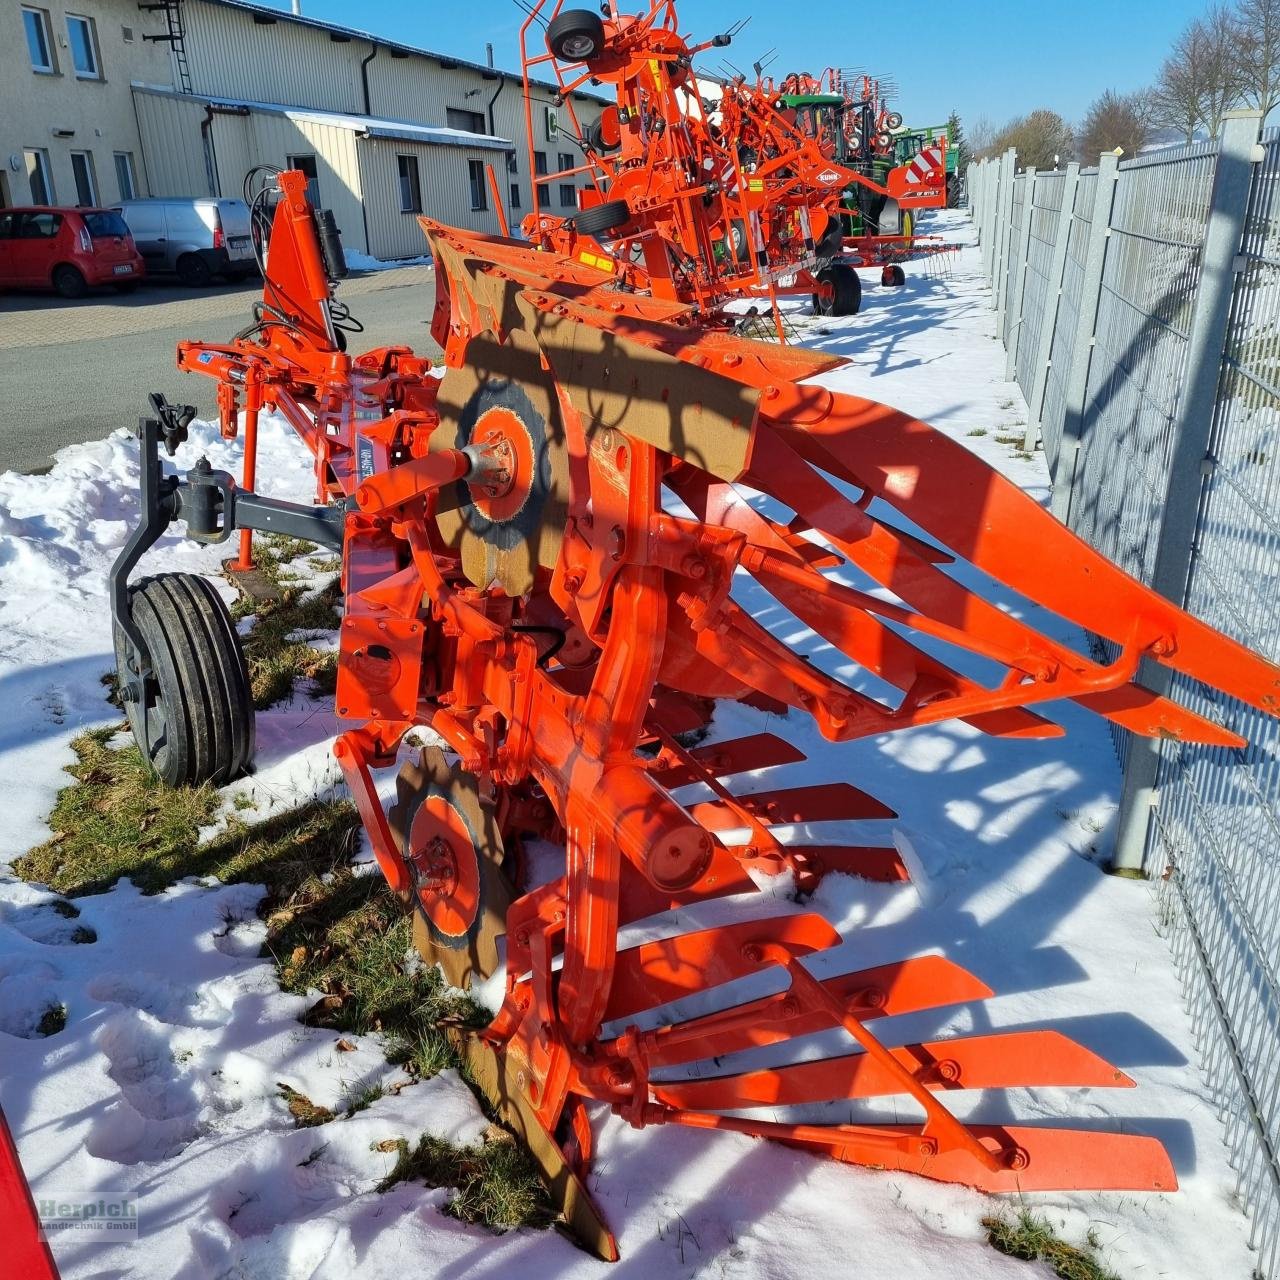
(307, 164)
(86, 179)
(126, 178)
(39, 179)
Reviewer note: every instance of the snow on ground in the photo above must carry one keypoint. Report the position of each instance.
(165, 1079)
(357, 261)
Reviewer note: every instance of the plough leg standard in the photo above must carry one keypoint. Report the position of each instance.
(540, 550)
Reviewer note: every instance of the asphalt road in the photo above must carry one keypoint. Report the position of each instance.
(75, 371)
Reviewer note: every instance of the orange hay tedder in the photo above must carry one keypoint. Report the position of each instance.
(703, 202)
(542, 553)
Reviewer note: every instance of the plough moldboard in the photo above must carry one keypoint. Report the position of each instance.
(539, 550)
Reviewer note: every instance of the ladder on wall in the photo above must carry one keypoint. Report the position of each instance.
(174, 36)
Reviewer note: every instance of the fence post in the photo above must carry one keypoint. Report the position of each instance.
(1019, 287)
(1193, 425)
(1049, 325)
(1064, 476)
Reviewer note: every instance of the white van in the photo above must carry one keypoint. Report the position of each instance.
(194, 237)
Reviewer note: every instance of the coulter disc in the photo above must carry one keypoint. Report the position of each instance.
(504, 399)
(449, 836)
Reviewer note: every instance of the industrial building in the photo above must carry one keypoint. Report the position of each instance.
(181, 97)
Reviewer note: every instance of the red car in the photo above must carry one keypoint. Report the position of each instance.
(67, 249)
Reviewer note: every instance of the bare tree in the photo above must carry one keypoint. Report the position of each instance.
(982, 134)
(1042, 138)
(1258, 52)
(1116, 120)
(1200, 79)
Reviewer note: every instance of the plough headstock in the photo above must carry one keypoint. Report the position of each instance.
(541, 559)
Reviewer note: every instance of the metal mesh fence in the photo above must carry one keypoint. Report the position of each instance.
(1217, 826)
(1213, 847)
(1013, 260)
(1053, 413)
(1140, 348)
(1038, 300)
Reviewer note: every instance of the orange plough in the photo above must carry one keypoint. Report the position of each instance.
(542, 554)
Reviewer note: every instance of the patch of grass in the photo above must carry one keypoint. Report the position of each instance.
(496, 1182)
(305, 1113)
(276, 661)
(346, 936)
(978, 431)
(1029, 1236)
(116, 820)
(1010, 439)
(52, 1020)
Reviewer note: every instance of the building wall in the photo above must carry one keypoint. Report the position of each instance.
(98, 113)
(233, 56)
(171, 133)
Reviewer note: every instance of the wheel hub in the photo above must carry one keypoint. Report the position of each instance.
(502, 486)
(445, 867)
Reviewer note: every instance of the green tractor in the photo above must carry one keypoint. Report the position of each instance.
(867, 209)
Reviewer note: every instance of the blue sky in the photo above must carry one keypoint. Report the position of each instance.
(997, 59)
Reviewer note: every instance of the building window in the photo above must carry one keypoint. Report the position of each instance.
(84, 47)
(515, 195)
(307, 166)
(126, 178)
(566, 161)
(513, 165)
(39, 179)
(410, 187)
(86, 179)
(540, 169)
(39, 40)
(467, 121)
(479, 199)
(126, 34)
(568, 195)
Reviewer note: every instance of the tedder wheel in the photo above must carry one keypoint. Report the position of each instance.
(448, 834)
(594, 137)
(577, 35)
(68, 281)
(832, 243)
(841, 294)
(602, 218)
(907, 226)
(194, 723)
(889, 222)
(893, 276)
(193, 270)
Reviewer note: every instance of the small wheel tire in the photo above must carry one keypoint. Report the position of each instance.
(600, 219)
(832, 243)
(593, 136)
(193, 270)
(577, 35)
(893, 276)
(846, 291)
(69, 282)
(195, 722)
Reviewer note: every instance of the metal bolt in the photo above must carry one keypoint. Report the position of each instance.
(752, 953)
